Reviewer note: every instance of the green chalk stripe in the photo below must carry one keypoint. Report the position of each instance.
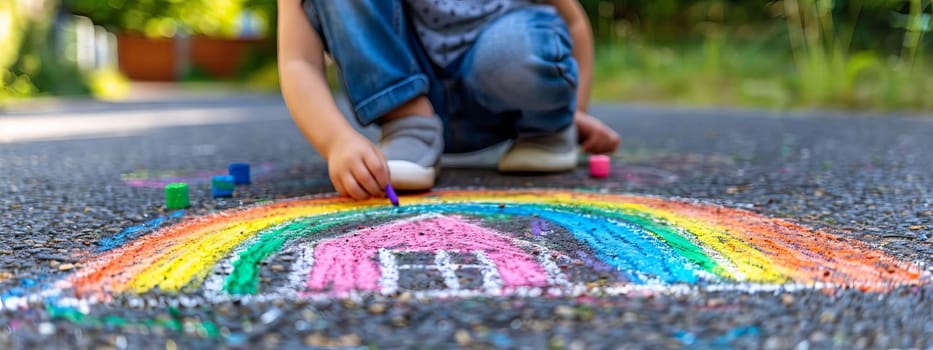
(176, 195)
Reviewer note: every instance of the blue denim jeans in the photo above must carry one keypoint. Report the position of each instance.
(518, 78)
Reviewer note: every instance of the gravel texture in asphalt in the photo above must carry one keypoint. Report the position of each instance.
(68, 195)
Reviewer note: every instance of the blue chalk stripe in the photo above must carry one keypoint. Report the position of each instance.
(132, 232)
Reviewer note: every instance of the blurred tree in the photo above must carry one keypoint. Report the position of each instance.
(165, 18)
(29, 65)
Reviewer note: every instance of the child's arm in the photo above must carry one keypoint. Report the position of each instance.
(595, 136)
(357, 168)
(582, 36)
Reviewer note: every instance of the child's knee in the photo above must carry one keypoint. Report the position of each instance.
(526, 60)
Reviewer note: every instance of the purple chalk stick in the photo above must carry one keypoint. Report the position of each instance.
(390, 192)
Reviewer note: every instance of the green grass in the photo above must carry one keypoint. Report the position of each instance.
(759, 75)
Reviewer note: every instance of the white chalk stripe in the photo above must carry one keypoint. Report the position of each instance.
(388, 279)
(442, 261)
(435, 267)
(214, 283)
(555, 277)
(300, 269)
(492, 281)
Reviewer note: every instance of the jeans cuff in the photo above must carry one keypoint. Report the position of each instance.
(373, 107)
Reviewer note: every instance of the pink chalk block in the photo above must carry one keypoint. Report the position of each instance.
(599, 166)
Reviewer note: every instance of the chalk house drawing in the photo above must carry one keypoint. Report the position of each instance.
(347, 263)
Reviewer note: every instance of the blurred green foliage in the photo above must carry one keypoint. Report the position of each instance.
(784, 54)
(165, 18)
(29, 66)
(877, 24)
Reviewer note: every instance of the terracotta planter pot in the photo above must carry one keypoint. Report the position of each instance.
(142, 58)
(221, 58)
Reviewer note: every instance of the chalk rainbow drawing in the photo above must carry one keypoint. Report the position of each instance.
(651, 244)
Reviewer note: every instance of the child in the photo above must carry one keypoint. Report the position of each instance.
(440, 76)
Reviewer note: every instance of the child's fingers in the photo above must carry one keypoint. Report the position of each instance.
(366, 179)
(338, 186)
(353, 188)
(614, 142)
(342, 190)
(376, 164)
(601, 143)
(589, 145)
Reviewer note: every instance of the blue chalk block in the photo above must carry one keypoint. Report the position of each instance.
(240, 173)
(222, 186)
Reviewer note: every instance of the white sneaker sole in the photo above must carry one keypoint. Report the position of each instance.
(521, 159)
(406, 175)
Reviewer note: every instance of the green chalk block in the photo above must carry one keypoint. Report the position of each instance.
(176, 195)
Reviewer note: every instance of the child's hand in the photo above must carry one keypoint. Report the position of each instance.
(357, 167)
(595, 137)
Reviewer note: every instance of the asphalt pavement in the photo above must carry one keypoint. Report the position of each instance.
(80, 178)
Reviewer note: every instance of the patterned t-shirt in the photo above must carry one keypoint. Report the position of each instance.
(447, 28)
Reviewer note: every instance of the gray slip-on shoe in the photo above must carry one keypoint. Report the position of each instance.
(412, 147)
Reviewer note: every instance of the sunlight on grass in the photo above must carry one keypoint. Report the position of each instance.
(683, 74)
(811, 63)
(756, 76)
